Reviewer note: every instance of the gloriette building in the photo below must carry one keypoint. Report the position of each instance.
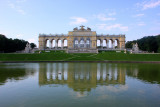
(82, 41)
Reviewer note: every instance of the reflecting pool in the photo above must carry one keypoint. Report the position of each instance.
(79, 85)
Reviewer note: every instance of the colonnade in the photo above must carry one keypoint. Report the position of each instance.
(110, 43)
(56, 42)
(113, 42)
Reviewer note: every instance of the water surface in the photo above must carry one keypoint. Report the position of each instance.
(79, 85)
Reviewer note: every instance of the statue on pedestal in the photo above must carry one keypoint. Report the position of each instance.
(135, 48)
(28, 48)
(89, 29)
(82, 27)
(75, 29)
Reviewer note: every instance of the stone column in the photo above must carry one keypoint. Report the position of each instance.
(85, 43)
(56, 44)
(101, 44)
(113, 45)
(62, 43)
(50, 43)
(78, 44)
(107, 44)
(90, 44)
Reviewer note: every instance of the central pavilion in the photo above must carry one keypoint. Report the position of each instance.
(81, 41)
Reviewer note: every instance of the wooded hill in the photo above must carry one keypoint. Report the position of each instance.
(147, 43)
(8, 45)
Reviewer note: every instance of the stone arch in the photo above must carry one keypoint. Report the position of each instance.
(99, 43)
(82, 42)
(110, 44)
(47, 43)
(53, 43)
(75, 42)
(105, 43)
(59, 43)
(65, 43)
(88, 42)
(117, 43)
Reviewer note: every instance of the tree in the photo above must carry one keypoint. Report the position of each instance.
(129, 44)
(12, 45)
(33, 45)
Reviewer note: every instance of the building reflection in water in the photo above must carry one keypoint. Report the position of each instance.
(81, 76)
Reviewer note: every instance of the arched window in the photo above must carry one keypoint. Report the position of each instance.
(76, 43)
(82, 43)
(88, 43)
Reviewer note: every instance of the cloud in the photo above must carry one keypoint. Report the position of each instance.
(112, 14)
(16, 7)
(31, 40)
(149, 4)
(19, 35)
(11, 5)
(138, 15)
(115, 89)
(21, 1)
(103, 17)
(111, 27)
(141, 24)
(118, 89)
(78, 20)
(21, 11)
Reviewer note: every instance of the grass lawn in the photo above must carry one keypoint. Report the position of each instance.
(62, 56)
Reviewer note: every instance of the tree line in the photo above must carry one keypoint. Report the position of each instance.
(8, 45)
(147, 43)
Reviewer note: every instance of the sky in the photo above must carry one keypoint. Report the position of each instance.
(26, 19)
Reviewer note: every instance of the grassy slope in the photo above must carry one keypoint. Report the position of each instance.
(60, 56)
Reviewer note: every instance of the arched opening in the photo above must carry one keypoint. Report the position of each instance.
(116, 44)
(88, 43)
(53, 43)
(104, 43)
(110, 43)
(65, 43)
(59, 43)
(98, 43)
(82, 43)
(75, 43)
(47, 43)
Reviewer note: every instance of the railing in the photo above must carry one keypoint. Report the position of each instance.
(120, 35)
(50, 35)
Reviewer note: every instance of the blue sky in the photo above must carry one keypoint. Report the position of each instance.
(25, 19)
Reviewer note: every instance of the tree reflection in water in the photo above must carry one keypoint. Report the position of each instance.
(15, 72)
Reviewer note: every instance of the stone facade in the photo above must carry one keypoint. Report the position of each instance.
(82, 41)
